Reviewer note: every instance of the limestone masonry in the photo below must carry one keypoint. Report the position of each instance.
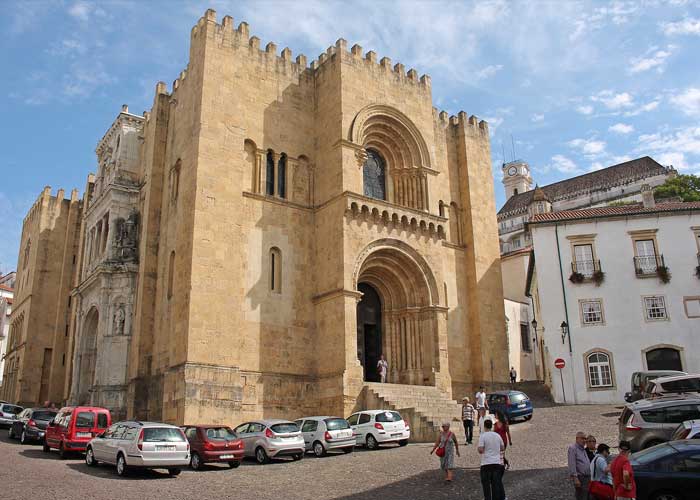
(253, 243)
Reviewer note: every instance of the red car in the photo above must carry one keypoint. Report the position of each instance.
(213, 443)
(74, 426)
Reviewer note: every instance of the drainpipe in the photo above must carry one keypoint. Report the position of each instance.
(566, 312)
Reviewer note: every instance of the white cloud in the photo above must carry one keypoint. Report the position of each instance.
(68, 47)
(612, 100)
(590, 148)
(488, 71)
(585, 109)
(650, 106)
(80, 11)
(621, 128)
(536, 118)
(562, 164)
(676, 145)
(654, 58)
(688, 26)
(677, 160)
(596, 165)
(688, 101)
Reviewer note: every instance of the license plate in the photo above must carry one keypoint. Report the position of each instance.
(396, 434)
(522, 405)
(83, 434)
(344, 434)
(165, 447)
(225, 457)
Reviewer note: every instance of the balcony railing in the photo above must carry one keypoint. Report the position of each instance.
(511, 229)
(646, 265)
(585, 267)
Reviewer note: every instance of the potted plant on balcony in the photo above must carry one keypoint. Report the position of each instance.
(576, 277)
(697, 271)
(598, 277)
(664, 274)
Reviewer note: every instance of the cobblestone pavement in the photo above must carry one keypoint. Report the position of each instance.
(538, 470)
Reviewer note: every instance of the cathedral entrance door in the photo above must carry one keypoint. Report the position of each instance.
(369, 335)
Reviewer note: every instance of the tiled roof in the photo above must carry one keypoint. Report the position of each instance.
(622, 173)
(616, 211)
(7, 288)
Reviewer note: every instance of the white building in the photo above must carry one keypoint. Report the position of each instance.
(7, 283)
(600, 274)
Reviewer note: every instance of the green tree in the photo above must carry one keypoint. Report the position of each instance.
(686, 187)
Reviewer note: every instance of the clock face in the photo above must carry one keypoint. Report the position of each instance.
(512, 171)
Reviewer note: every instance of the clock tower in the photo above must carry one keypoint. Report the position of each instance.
(516, 177)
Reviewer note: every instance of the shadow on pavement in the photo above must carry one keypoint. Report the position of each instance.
(109, 472)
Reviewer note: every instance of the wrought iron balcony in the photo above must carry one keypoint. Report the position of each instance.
(585, 267)
(646, 265)
(511, 229)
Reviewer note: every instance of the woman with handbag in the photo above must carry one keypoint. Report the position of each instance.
(600, 487)
(445, 447)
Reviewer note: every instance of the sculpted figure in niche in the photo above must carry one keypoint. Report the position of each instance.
(119, 319)
(126, 237)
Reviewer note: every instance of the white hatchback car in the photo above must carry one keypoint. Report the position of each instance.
(148, 445)
(375, 427)
(322, 434)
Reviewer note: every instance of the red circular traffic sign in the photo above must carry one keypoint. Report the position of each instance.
(559, 363)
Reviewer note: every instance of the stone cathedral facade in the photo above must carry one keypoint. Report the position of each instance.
(251, 245)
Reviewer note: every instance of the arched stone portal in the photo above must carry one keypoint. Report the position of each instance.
(409, 321)
(87, 356)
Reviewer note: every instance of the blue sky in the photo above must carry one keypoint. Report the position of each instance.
(578, 85)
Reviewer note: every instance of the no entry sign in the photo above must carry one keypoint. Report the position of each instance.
(559, 363)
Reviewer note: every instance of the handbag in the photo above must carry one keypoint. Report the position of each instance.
(600, 490)
(440, 452)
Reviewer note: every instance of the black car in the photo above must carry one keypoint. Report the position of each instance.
(31, 424)
(668, 471)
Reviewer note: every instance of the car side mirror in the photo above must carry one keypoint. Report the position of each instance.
(52, 421)
(628, 397)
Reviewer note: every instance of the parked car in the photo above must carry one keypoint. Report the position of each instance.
(323, 434)
(31, 424)
(669, 471)
(640, 380)
(375, 427)
(678, 384)
(146, 445)
(513, 404)
(266, 439)
(690, 429)
(648, 422)
(74, 426)
(213, 443)
(8, 414)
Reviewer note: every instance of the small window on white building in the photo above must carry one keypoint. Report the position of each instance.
(591, 312)
(516, 243)
(599, 370)
(655, 308)
(692, 306)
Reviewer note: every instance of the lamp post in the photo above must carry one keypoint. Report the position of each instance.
(564, 331)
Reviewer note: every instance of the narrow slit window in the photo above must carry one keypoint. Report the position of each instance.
(282, 176)
(275, 270)
(270, 174)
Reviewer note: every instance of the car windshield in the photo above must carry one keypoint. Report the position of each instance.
(336, 424)
(169, 434)
(652, 454)
(686, 385)
(43, 415)
(283, 428)
(388, 416)
(85, 419)
(518, 397)
(220, 433)
(12, 409)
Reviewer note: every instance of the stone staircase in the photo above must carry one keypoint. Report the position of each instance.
(424, 407)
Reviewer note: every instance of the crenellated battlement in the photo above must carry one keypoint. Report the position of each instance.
(443, 119)
(46, 199)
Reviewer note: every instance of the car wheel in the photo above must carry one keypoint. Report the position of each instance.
(90, 458)
(174, 472)
(62, 453)
(349, 449)
(261, 456)
(665, 495)
(403, 442)
(234, 465)
(122, 468)
(195, 462)
(46, 447)
(298, 456)
(651, 443)
(319, 450)
(23, 437)
(10, 433)
(528, 417)
(371, 442)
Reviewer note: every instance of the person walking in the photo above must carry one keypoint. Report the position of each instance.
(468, 412)
(579, 467)
(513, 375)
(446, 446)
(622, 474)
(591, 444)
(601, 485)
(491, 470)
(481, 404)
(503, 429)
(382, 368)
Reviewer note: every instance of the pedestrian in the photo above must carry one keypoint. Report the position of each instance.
(468, 412)
(622, 474)
(601, 485)
(481, 404)
(579, 467)
(446, 446)
(513, 375)
(503, 429)
(491, 471)
(591, 444)
(382, 368)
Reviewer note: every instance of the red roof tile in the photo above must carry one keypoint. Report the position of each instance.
(614, 211)
(7, 288)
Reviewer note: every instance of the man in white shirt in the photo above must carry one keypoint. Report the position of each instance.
(481, 404)
(491, 449)
(382, 368)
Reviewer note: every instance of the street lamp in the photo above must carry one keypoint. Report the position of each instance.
(564, 331)
(534, 329)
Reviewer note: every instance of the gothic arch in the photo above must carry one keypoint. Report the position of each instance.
(87, 355)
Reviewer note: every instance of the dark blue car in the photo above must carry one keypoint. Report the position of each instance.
(513, 404)
(668, 471)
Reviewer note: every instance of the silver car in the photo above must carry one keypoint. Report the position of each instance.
(8, 413)
(266, 439)
(133, 444)
(322, 434)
